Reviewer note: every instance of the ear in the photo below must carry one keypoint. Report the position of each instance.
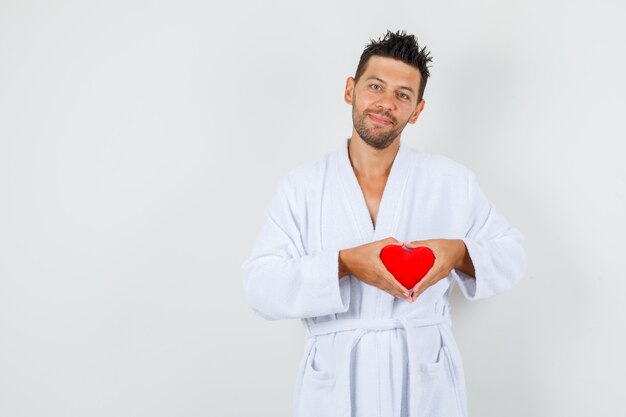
(348, 93)
(417, 111)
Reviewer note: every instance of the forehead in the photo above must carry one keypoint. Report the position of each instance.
(392, 71)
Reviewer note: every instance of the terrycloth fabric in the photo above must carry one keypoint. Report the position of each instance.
(368, 354)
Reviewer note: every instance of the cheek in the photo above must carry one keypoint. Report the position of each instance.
(410, 110)
(365, 96)
(362, 103)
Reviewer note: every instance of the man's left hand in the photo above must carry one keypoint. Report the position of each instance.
(449, 254)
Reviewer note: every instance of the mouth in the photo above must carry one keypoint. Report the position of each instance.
(379, 119)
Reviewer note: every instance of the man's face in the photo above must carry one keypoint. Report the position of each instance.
(384, 100)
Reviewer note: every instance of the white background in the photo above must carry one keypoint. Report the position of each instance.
(141, 141)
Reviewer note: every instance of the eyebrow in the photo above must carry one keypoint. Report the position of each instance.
(402, 87)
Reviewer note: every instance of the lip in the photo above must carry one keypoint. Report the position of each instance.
(379, 119)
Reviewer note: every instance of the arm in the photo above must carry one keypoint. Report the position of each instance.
(363, 263)
(280, 280)
(494, 248)
(465, 264)
(343, 267)
(449, 254)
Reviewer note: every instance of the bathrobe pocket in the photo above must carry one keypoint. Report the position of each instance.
(315, 397)
(437, 391)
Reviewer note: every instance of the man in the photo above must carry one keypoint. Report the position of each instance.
(373, 347)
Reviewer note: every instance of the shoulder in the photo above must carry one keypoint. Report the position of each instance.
(303, 177)
(439, 165)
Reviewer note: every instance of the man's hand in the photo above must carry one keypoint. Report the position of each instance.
(449, 254)
(364, 263)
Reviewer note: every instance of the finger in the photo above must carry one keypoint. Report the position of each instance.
(420, 288)
(425, 242)
(430, 275)
(423, 283)
(392, 240)
(429, 279)
(399, 291)
(404, 293)
(422, 243)
(393, 291)
(417, 292)
(393, 284)
(398, 294)
(396, 287)
(413, 244)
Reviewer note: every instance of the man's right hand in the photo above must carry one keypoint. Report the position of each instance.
(364, 263)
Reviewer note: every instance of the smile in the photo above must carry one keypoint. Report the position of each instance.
(379, 120)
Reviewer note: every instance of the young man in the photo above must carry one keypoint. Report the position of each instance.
(373, 347)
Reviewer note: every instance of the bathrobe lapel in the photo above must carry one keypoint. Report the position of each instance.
(390, 204)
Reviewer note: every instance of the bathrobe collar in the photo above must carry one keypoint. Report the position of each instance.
(386, 221)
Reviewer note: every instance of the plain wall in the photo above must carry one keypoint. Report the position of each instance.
(141, 141)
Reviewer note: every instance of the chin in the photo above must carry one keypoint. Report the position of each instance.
(379, 144)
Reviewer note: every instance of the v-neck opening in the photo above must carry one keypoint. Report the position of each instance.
(356, 197)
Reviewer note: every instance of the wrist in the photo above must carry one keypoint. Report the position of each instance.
(343, 265)
(460, 261)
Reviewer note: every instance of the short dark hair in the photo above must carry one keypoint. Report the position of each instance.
(400, 46)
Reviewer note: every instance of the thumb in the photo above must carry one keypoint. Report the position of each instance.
(389, 241)
(401, 289)
(414, 244)
(433, 275)
(393, 240)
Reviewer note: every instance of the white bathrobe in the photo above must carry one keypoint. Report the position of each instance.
(368, 354)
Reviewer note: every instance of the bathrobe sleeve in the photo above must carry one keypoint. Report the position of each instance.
(495, 249)
(281, 280)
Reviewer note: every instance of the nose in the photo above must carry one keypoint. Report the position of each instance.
(385, 101)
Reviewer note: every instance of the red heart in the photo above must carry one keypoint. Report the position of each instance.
(408, 266)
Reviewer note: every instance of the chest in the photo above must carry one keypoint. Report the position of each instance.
(372, 190)
(352, 211)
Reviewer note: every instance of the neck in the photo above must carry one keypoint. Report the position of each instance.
(369, 162)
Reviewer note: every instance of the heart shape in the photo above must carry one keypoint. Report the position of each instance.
(408, 266)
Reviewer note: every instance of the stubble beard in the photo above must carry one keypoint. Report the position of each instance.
(376, 139)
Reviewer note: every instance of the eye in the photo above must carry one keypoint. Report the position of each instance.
(403, 96)
(374, 86)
